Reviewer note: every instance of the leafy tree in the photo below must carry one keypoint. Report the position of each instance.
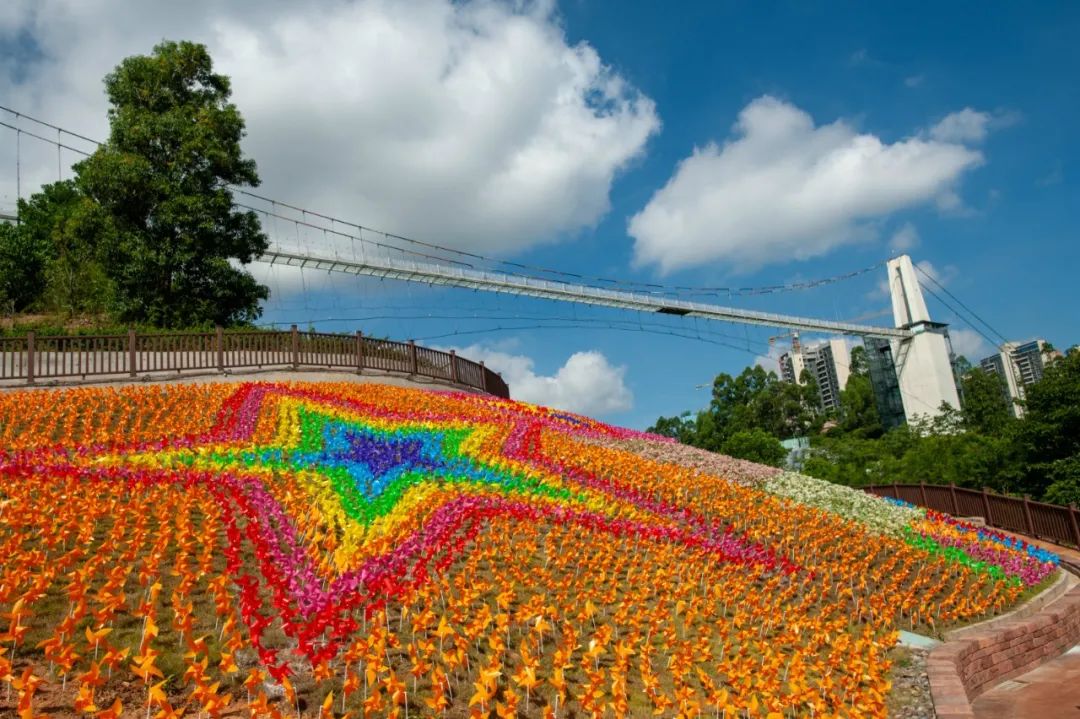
(50, 261)
(858, 408)
(859, 364)
(1048, 438)
(73, 232)
(758, 399)
(985, 405)
(1064, 476)
(755, 445)
(961, 366)
(681, 428)
(22, 268)
(163, 180)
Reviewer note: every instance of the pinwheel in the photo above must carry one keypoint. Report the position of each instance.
(348, 536)
(113, 712)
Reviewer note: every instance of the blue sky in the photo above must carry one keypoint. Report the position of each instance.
(795, 142)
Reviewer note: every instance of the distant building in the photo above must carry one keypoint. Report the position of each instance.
(791, 366)
(827, 363)
(1020, 365)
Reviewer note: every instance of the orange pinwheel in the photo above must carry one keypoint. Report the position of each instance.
(113, 712)
(84, 700)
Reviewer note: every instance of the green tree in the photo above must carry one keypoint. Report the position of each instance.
(163, 180)
(757, 399)
(858, 414)
(858, 408)
(1048, 438)
(755, 445)
(22, 268)
(985, 404)
(681, 428)
(50, 261)
(73, 232)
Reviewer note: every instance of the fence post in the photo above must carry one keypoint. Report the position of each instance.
(922, 493)
(483, 376)
(955, 504)
(219, 347)
(359, 351)
(986, 506)
(295, 348)
(1074, 525)
(413, 369)
(30, 357)
(895, 490)
(453, 366)
(131, 352)
(1027, 516)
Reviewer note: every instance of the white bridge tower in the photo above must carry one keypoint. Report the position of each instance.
(924, 360)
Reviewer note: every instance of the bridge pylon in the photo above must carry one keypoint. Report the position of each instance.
(923, 360)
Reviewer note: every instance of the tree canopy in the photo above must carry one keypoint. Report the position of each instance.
(147, 230)
(983, 444)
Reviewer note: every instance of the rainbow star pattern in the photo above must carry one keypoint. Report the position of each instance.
(379, 551)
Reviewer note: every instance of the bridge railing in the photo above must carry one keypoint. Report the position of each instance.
(1051, 522)
(32, 359)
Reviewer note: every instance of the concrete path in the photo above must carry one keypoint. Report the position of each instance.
(1051, 691)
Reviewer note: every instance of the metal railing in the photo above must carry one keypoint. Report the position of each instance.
(32, 358)
(1051, 522)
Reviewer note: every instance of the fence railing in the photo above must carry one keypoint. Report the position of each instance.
(1051, 522)
(33, 359)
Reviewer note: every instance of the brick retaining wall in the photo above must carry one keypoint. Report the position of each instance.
(959, 671)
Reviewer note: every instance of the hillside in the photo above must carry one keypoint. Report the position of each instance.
(366, 550)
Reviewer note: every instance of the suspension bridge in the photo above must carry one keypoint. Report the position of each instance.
(919, 348)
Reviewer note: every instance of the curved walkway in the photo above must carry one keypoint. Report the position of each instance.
(974, 673)
(1046, 692)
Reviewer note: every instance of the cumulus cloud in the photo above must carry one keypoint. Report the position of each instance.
(970, 344)
(967, 125)
(587, 383)
(475, 124)
(782, 188)
(905, 238)
(942, 276)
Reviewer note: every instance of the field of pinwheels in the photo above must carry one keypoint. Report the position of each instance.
(355, 550)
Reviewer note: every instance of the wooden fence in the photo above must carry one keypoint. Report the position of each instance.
(33, 359)
(1051, 522)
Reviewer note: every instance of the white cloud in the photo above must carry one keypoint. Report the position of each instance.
(904, 239)
(967, 125)
(914, 80)
(587, 383)
(970, 344)
(782, 188)
(942, 277)
(769, 362)
(474, 124)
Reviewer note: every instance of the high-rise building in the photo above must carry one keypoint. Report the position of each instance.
(1020, 365)
(827, 363)
(791, 366)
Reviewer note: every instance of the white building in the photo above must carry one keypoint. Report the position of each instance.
(828, 363)
(1020, 365)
